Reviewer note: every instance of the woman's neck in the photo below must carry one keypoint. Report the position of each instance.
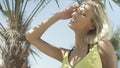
(80, 41)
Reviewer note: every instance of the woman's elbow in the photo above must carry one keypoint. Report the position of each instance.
(31, 37)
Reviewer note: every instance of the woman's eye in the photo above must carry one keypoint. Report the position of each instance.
(84, 14)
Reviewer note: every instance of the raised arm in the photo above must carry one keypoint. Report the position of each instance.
(38, 31)
(34, 36)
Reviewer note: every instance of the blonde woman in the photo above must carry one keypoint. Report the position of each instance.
(92, 46)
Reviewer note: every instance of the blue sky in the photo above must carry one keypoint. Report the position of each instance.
(59, 34)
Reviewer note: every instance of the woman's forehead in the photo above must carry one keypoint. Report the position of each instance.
(85, 7)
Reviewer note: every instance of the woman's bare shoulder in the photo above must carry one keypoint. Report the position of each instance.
(107, 54)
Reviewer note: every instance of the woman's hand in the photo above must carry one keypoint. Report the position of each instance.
(67, 13)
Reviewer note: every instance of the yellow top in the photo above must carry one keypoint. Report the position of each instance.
(91, 60)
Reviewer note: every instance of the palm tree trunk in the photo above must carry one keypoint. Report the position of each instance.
(15, 51)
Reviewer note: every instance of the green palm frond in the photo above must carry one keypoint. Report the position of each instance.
(2, 31)
(38, 7)
(1, 36)
(23, 8)
(115, 40)
(110, 4)
(2, 27)
(33, 53)
(7, 8)
(80, 1)
(117, 2)
(57, 3)
(2, 9)
(15, 10)
(8, 5)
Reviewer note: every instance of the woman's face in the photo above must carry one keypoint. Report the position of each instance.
(82, 18)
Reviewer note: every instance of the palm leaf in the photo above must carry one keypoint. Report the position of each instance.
(5, 4)
(1, 34)
(7, 7)
(2, 27)
(33, 52)
(115, 40)
(80, 1)
(117, 2)
(23, 7)
(38, 7)
(13, 5)
(57, 3)
(2, 30)
(1, 9)
(110, 4)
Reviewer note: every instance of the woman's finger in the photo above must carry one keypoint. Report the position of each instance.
(74, 6)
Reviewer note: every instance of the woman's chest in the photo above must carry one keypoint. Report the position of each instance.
(75, 57)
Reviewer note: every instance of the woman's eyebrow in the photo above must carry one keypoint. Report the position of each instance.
(82, 10)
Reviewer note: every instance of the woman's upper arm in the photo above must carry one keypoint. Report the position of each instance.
(107, 54)
(46, 48)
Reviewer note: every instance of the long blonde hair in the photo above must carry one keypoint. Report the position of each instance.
(101, 21)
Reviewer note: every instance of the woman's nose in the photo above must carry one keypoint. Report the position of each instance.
(74, 14)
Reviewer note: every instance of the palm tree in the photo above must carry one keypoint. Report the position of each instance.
(14, 48)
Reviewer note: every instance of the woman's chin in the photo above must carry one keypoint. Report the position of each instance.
(71, 26)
